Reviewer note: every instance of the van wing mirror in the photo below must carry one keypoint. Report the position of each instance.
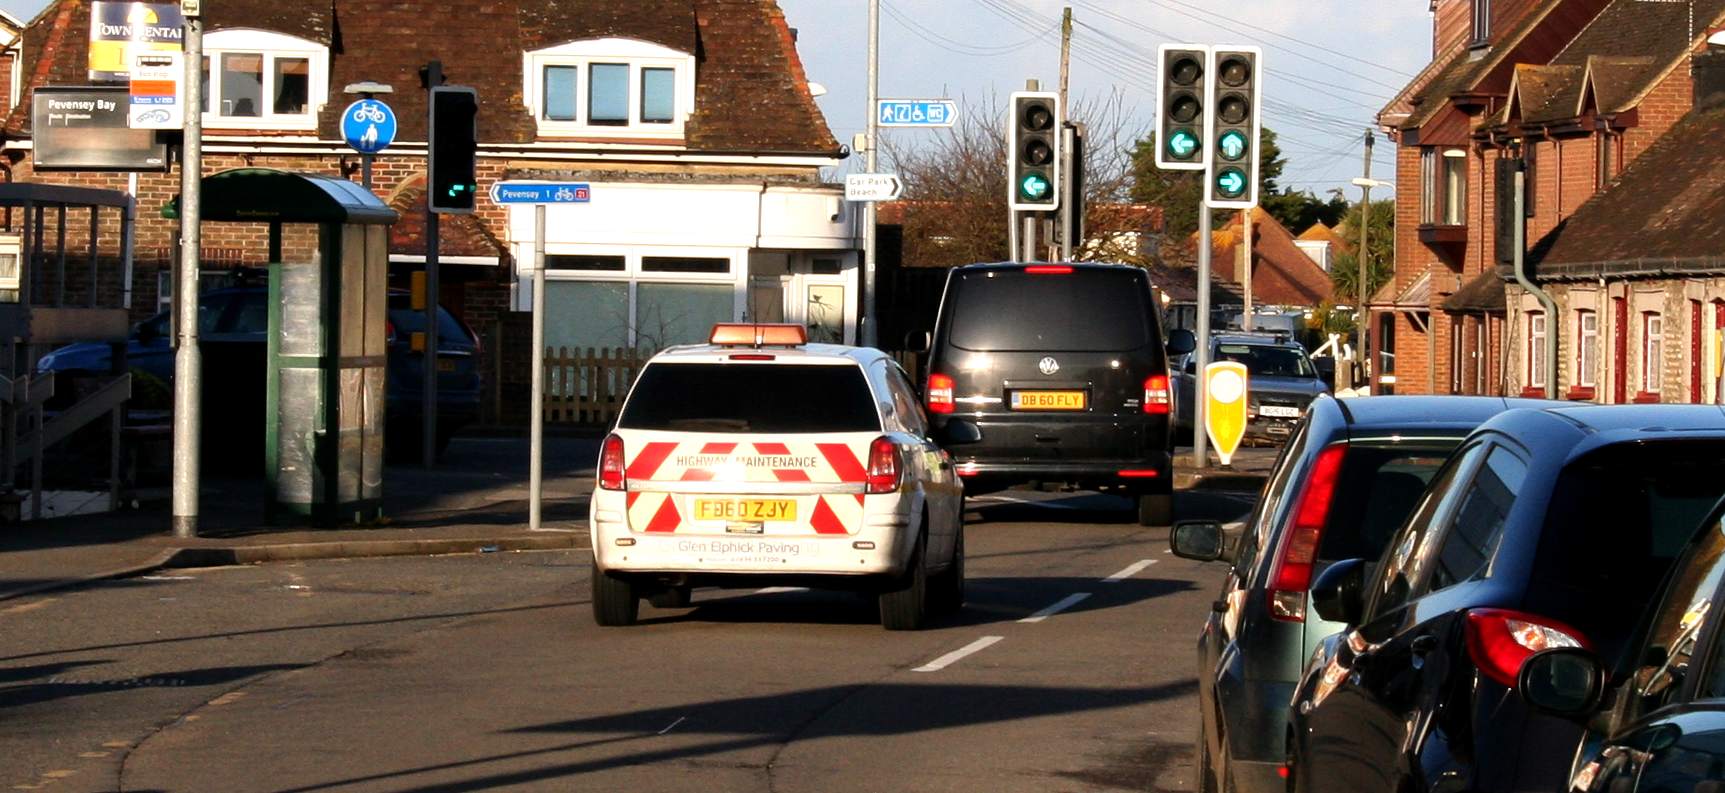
(918, 341)
(1197, 539)
(1339, 593)
(1181, 341)
(1567, 682)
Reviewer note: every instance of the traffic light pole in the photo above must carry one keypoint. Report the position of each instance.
(870, 327)
(1028, 236)
(428, 358)
(1200, 389)
(188, 359)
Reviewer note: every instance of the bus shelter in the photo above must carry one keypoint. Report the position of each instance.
(325, 357)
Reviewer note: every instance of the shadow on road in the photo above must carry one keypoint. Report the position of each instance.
(59, 688)
(749, 722)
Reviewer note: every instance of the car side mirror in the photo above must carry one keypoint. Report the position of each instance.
(1200, 540)
(1568, 682)
(1338, 594)
(918, 341)
(1181, 341)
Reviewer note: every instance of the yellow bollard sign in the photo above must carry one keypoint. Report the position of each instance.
(1225, 407)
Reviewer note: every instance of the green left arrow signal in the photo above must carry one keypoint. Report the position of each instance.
(1182, 144)
(1034, 187)
(1231, 183)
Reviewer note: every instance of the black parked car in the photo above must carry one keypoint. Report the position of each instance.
(1546, 529)
(1347, 479)
(232, 325)
(1055, 373)
(1665, 713)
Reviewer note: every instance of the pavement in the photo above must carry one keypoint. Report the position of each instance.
(474, 501)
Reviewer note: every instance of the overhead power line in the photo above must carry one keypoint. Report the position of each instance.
(963, 48)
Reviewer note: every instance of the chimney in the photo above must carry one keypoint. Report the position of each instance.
(1707, 72)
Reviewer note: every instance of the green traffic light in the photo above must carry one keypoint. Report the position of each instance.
(1034, 187)
(1231, 182)
(1182, 144)
(1232, 144)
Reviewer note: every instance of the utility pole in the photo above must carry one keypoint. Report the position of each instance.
(188, 359)
(1064, 251)
(1246, 268)
(1065, 56)
(1363, 323)
(869, 323)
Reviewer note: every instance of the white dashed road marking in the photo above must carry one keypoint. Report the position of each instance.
(956, 655)
(1065, 603)
(1131, 570)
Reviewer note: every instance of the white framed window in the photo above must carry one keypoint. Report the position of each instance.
(1652, 351)
(1536, 350)
(1586, 348)
(609, 88)
(255, 79)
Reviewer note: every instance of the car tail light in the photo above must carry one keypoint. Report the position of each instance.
(751, 356)
(1498, 640)
(388, 332)
(611, 476)
(1048, 269)
(883, 466)
(1292, 575)
(940, 393)
(1157, 397)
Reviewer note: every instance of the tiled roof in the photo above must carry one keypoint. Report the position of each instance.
(1541, 32)
(1417, 296)
(1484, 292)
(1282, 274)
(1664, 208)
(750, 96)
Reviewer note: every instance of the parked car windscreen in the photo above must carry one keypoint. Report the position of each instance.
(407, 321)
(1084, 310)
(1378, 488)
(1266, 361)
(716, 397)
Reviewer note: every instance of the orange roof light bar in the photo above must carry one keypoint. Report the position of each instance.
(748, 334)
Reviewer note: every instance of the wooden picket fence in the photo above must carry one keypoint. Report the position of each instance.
(588, 387)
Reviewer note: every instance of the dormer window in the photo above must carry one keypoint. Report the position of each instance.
(1481, 23)
(256, 79)
(610, 88)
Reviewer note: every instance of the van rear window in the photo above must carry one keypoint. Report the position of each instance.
(1084, 310)
(717, 397)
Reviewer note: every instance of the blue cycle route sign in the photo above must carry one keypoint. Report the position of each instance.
(541, 193)
(916, 112)
(368, 126)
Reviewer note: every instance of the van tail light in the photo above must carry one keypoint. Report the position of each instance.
(611, 476)
(1292, 575)
(884, 468)
(1499, 640)
(940, 393)
(1157, 397)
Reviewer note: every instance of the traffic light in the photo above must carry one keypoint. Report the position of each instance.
(1073, 203)
(1033, 143)
(450, 177)
(1233, 128)
(1181, 108)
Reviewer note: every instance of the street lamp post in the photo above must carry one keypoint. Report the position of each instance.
(1365, 184)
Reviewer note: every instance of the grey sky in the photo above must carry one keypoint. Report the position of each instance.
(1329, 63)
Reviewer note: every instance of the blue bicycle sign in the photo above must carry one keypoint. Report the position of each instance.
(368, 126)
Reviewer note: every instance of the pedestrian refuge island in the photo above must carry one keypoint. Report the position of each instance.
(326, 356)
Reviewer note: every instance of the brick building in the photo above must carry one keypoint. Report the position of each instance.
(691, 119)
(1578, 89)
(1638, 272)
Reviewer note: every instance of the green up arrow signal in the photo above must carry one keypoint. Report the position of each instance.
(1233, 144)
(1231, 182)
(1034, 187)
(1182, 143)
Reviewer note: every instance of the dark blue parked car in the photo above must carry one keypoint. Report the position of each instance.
(231, 321)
